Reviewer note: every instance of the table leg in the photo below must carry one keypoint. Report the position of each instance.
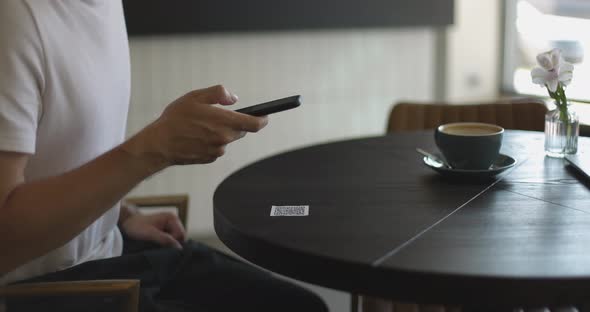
(354, 302)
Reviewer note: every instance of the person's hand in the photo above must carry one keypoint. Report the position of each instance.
(192, 131)
(163, 228)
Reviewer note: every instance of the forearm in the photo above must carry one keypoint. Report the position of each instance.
(37, 217)
(40, 216)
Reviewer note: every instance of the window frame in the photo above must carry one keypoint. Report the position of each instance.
(508, 54)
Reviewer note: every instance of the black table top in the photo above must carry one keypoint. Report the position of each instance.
(382, 223)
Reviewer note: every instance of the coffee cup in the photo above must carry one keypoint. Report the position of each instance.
(469, 145)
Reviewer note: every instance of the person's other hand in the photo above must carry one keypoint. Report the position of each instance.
(162, 228)
(191, 130)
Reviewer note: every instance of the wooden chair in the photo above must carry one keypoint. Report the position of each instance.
(112, 295)
(516, 115)
(527, 114)
(178, 202)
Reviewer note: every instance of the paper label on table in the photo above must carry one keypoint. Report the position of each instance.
(289, 211)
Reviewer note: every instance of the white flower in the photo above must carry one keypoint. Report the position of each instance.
(554, 70)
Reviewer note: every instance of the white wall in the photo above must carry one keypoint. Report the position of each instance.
(348, 79)
(473, 51)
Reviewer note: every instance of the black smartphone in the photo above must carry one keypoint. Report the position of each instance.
(272, 106)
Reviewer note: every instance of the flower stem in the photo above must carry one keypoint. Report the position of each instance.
(561, 102)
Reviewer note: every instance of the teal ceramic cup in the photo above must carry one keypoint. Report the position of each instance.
(469, 145)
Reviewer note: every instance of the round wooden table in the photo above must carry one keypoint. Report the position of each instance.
(381, 223)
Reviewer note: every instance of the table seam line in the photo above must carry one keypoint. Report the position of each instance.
(381, 259)
(546, 201)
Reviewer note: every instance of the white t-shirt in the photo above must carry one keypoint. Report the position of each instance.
(64, 96)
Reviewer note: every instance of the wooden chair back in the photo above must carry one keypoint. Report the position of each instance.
(516, 115)
(110, 295)
(179, 202)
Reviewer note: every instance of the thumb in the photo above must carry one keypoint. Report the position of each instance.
(164, 239)
(214, 95)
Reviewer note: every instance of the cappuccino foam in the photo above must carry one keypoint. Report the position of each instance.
(470, 130)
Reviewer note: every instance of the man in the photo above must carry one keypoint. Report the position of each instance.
(64, 92)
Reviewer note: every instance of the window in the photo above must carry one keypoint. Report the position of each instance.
(534, 26)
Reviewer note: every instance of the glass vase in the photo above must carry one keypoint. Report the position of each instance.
(561, 132)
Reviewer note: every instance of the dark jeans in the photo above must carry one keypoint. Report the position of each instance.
(196, 278)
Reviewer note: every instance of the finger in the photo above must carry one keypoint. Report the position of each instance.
(216, 151)
(218, 141)
(175, 228)
(246, 122)
(163, 238)
(214, 95)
